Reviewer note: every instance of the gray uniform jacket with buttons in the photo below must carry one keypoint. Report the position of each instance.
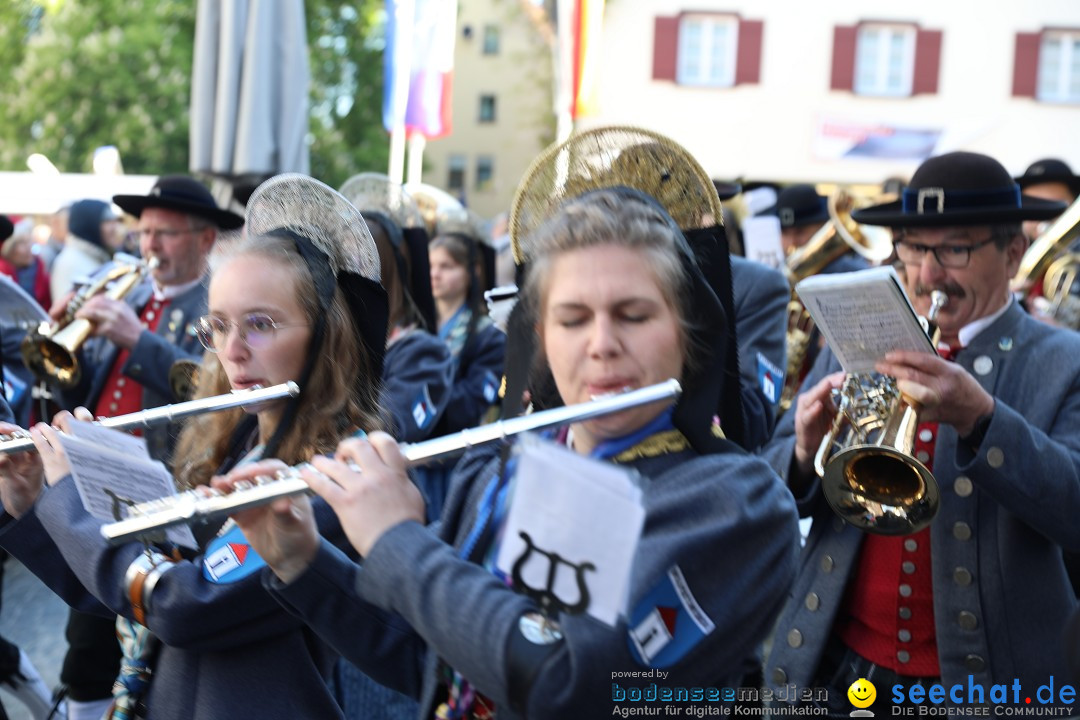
(149, 361)
(1001, 596)
(725, 520)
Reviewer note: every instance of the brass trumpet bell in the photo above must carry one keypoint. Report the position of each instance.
(875, 482)
(867, 465)
(52, 355)
(49, 351)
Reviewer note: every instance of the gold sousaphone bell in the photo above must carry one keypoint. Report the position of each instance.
(869, 473)
(49, 351)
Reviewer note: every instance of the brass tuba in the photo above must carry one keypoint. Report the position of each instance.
(869, 473)
(835, 238)
(1057, 273)
(49, 351)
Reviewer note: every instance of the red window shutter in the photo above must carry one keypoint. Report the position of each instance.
(1026, 64)
(927, 62)
(843, 58)
(748, 62)
(665, 48)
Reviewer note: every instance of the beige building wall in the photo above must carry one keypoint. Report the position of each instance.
(519, 78)
(773, 129)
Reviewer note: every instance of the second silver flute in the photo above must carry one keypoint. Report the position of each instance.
(20, 441)
(193, 505)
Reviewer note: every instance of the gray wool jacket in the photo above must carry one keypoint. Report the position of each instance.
(1001, 597)
(725, 520)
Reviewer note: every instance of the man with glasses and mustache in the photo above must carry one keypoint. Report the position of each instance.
(126, 367)
(982, 592)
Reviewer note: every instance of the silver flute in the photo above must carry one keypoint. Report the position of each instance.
(204, 504)
(20, 441)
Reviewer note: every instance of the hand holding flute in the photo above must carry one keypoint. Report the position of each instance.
(23, 474)
(366, 485)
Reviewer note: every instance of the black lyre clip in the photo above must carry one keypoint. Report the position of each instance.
(117, 502)
(549, 601)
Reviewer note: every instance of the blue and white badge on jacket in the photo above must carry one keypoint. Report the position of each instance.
(770, 377)
(667, 623)
(230, 558)
(423, 410)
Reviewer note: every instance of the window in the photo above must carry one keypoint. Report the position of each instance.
(491, 40)
(487, 108)
(707, 50)
(455, 179)
(1059, 67)
(884, 60)
(485, 171)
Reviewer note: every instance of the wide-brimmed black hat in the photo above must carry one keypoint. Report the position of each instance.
(183, 194)
(727, 190)
(7, 228)
(799, 205)
(959, 188)
(1050, 170)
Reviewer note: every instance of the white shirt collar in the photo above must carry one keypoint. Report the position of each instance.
(170, 292)
(969, 332)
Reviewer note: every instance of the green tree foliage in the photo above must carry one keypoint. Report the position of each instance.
(346, 47)
(107, 72)
(78, 74)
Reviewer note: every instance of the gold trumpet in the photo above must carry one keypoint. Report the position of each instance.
(19, 441)
(873, 481)
(49, 351)
(835, 238)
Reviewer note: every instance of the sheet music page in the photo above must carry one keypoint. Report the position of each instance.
(585, 510)
(111, 438)
(863, 315)
(109, 481)
(17, 306)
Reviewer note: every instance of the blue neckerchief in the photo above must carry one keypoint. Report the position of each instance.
(611, 448)
(444, 330)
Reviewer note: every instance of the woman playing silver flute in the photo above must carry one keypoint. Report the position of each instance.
(619, 303)
(297, 298)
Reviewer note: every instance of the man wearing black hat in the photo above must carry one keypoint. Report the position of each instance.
(126, 367)
(802, 212)
(981, 596)
(1049, 179)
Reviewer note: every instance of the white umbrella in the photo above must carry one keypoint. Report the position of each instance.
(249, 90)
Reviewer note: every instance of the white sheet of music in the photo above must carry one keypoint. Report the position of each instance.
(863, 315)
(112, 470)
(584, 510)
(17, 306)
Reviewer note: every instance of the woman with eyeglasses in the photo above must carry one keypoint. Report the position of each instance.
(619, 302)
(298, 298)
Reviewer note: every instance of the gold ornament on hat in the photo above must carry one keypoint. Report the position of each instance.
(610, 157)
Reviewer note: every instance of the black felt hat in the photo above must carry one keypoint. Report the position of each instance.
(799, 205)
(1050, 170)
(183, 194)
(959, 188)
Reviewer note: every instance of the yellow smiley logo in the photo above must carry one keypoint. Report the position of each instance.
(862, 693)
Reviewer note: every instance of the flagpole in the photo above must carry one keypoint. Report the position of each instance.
(402, 18)
(417, 143)
(564, 68)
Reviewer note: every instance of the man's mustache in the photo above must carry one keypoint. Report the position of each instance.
(951, 289)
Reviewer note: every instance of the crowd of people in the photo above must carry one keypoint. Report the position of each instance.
(386, 594)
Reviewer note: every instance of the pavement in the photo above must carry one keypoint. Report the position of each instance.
(33, 618)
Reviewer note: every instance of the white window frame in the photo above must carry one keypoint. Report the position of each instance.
(878, 83)
(1053, 83)
(703, 73)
